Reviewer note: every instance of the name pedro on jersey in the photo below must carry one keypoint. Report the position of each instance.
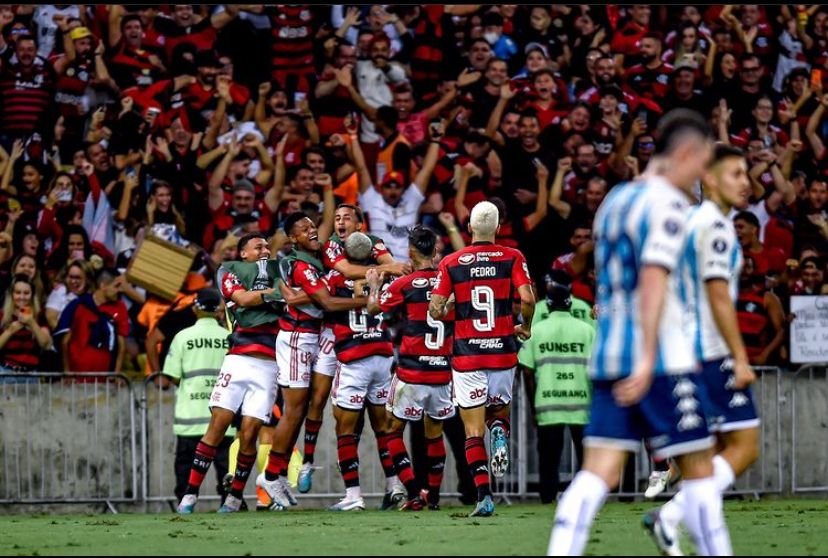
(481, 272)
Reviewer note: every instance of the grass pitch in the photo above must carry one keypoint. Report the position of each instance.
(771, 528)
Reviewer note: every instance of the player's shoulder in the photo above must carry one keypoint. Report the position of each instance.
(708, 216)
(404, 281)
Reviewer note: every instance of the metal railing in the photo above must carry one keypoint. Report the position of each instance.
(67, 438)
(78, 439)
(809, 413)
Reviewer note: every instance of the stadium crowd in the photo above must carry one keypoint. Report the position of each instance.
(202, 123)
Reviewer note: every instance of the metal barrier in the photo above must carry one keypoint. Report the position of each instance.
(67, 438)
(158, 447)
(158, 454)
(763, 477)
(809, 413)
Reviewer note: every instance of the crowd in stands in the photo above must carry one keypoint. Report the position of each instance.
(198, 124)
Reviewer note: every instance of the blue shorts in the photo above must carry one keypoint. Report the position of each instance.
(670, 418)
(727, 409)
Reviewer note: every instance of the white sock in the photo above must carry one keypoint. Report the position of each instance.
(673, 511)
(391, 483)
(574, 514)
(722, 473)
(704, 517)
(353, 493)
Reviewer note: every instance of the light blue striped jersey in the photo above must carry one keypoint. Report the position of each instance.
(640, 223)
(712, 252)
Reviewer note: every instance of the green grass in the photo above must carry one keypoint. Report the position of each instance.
(757, 528)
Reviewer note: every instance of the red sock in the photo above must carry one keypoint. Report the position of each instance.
(243, 467)
(478, 466)
(402, 463)
(346, 450)
(311, 434)
(436, 452)
(204, 456)
(276, 465)
(385, 455)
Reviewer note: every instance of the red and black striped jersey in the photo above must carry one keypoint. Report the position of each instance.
(334, 251)
(426, 342)
(292, 40)
(28, 94)
(483, 278)
(357, 334)
(300, 275)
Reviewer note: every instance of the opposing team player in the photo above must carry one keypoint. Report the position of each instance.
(421, 388)
(348, 220)
(643, 364)
(296, 347)
(483, 278)
(247, 381)
(710, 275)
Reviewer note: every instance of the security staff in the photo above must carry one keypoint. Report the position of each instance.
(554, 362)
(579, 308)
(193, 363)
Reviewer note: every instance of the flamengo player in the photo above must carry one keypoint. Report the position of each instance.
(483, 278)
(421, 388)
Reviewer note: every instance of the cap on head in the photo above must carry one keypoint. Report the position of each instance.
(208, 300)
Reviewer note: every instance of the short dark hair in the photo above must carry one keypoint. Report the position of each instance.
(106, 276)
(130, 17)
(248, 237)
(388, 116)
(655, 35)
(748, 218)
(294, 171)
(291, 221)
(360, 217)
(676, 125)
(423, 240)
(542, 72)
(724, 151)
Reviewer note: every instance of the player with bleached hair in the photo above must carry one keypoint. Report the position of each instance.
(482, 278)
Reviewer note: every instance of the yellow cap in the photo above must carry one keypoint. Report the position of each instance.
(80, 33)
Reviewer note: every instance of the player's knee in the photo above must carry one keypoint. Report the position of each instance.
(750, 452)
(696, 465)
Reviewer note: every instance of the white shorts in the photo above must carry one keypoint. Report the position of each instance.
(295, 353)
(364, 380)
(491, 388)
(247, 385)
(326, 358)
(410, 401)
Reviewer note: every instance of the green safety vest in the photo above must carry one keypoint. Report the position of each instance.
(195, 358)
(255, 276)
(580, 309)
(558, 352)
(286, 266)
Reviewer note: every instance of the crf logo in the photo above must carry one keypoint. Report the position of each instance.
(413, 412)
(305, 357)
(477, 393)
(358, 399)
